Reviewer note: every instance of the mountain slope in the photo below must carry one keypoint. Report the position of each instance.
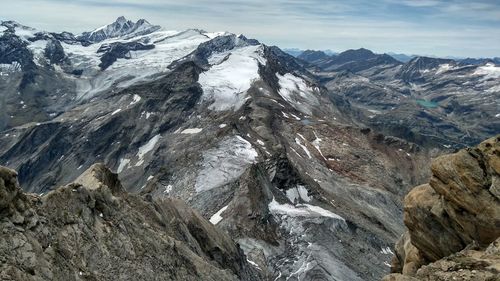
(240, 131)
(433, 102)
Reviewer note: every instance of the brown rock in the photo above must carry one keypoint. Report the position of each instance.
(429, 226)
(93, 230)
(9, 187)
(99, 175)
(407, 258)
(399, 277)
(464, 180)
(454, 221)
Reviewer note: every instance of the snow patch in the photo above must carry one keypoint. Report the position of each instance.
(225, 163)
(146, 148)
(135, 99)
(168, 189)
(386, 251)
(316, 144)
(297, 141)
(295, 91)
(445, 67)
(301, 210)
(123, 164)
(254, 264)
(191, 131)
(489, 71)
(216, 218)
(227, 81)
(296, 193)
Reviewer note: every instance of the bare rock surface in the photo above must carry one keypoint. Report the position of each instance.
(93, 230)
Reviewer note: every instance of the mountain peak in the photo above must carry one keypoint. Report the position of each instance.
(313, 56)
(121, 19)
(120, 27)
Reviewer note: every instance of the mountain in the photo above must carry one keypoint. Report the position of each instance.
(293, 51)
(402, 57)
(452, 222)
(297, 52)
(313, 56)
(481, 61)
(93, 229)
(353, 60)
(415, 68)
(279, 154)
(430, 101)
(240, 131)
(120, 28)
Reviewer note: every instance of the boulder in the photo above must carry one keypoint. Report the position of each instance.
(454, 221)
(97, 176)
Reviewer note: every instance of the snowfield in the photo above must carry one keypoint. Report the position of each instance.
(301, 210)
(225, 163)
(296, 92)
(490, 71)
(225, 84)
(142, 66)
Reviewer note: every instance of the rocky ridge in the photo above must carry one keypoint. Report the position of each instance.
(454, 221)
(93, 229)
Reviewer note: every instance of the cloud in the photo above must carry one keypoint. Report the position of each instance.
(437, 27)
(420, 3)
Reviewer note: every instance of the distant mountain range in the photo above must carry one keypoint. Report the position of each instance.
(398, 56)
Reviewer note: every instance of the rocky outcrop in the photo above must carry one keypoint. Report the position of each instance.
(454, 221)
(118, 50)
(93, 230)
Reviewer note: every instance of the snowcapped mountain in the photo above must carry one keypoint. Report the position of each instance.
(242, 132)
(120, 28)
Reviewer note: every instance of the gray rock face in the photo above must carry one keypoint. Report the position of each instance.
(92, 229)
(119, 50)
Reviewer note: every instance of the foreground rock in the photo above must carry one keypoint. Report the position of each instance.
(454, 221)
(93, 230)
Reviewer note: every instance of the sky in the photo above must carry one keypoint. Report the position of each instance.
(461, 28)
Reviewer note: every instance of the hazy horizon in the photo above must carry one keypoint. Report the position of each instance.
(456, 28)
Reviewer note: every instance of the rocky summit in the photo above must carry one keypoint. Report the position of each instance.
(454, 221)
(231, 159)
(93, 229)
